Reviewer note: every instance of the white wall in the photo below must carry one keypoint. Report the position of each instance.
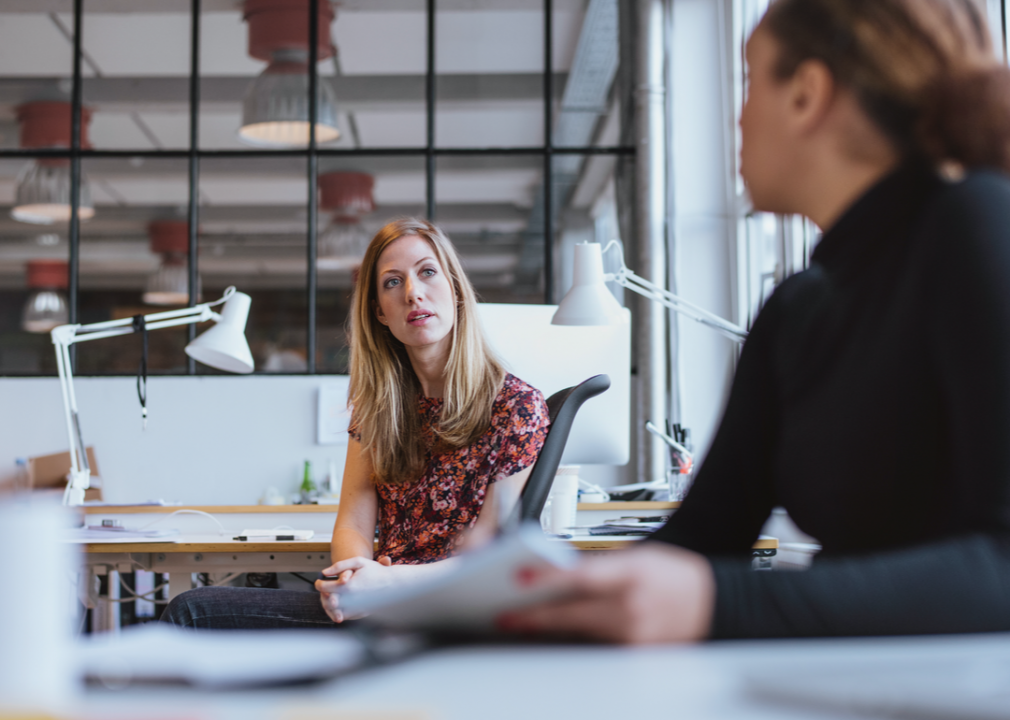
(209, 440)
(224, 439)
(703, 216)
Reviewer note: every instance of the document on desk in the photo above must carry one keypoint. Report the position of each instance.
(161, 653)
(118, 535)
(471, 596)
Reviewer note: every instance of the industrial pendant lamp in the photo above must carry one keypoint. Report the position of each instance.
(275, 112)
(169, 284)
(46, 307)
(43, 185)
(349, 196)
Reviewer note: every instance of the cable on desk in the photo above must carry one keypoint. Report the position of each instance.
(187, 511)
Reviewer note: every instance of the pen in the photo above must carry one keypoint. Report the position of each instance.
(244, 538)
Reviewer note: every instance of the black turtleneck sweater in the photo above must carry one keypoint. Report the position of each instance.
(872, 402)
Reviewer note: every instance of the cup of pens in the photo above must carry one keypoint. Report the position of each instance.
(678, 440)
(679, 479)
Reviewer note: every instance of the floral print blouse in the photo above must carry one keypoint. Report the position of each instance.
(423, 521)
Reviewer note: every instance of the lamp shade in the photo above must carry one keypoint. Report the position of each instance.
(169, 284)
(224, 346)
(275, 112)
(46, 306)
(589, 302)
(42, 194)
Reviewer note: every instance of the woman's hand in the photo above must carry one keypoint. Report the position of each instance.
(652, 593)
(355, 573)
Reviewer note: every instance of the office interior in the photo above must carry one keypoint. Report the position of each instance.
(520, 127)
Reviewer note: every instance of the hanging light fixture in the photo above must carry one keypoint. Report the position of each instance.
(43, 185)
(275, 112)
(169, 285)
(349, 195)
(46, 306)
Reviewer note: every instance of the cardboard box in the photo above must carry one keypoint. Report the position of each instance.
(49, 472)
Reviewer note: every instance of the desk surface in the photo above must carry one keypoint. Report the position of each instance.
(207, 544)
(716, 681)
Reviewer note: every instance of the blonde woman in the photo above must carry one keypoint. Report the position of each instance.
(442, 439)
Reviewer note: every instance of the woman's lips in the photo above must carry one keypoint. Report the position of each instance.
(419, 317)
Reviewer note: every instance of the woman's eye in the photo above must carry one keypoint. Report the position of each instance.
(392, 282)
(428, 272)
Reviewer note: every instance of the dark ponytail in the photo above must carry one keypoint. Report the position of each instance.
(923, 71)
(967, 119)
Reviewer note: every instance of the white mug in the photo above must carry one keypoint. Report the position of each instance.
(38, 671)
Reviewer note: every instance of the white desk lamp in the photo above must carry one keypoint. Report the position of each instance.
(589, 302)
(223, 347)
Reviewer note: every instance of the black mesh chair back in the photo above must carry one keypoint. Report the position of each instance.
(562, 407)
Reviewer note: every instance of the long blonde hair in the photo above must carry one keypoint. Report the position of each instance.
(384, 389)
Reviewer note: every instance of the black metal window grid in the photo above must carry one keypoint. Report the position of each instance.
(312, 153)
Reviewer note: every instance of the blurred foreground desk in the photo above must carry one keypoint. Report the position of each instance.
(937, 677)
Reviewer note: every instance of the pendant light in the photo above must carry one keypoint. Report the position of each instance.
(169, 285)
(275, 112)
(46, 306)
(42, 196)
(349, 195)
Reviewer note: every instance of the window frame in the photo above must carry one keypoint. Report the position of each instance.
(311, 153)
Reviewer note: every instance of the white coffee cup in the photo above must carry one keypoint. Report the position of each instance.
(38, 671)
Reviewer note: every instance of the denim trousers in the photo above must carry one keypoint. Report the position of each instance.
(234, 608)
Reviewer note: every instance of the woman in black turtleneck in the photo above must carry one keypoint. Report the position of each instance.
(872, 398)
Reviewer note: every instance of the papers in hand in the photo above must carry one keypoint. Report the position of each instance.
(471, 596)
(157, 652)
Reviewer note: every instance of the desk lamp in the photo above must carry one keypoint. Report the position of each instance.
(223, 346)
(589, 302)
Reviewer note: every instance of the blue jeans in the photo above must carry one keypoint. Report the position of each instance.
(234, 608)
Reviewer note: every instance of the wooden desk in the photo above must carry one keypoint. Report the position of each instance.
(200, 551)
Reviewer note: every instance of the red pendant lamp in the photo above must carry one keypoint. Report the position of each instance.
(43, 185)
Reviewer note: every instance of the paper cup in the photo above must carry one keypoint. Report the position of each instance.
(37, 667)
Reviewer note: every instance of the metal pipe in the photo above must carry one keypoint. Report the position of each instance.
(650, 241)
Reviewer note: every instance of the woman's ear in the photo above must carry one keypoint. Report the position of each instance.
(812, 94)
(380, 316)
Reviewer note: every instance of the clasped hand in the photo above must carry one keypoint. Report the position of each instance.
(352, 574)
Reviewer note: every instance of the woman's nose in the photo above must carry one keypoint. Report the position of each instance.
(412, 289)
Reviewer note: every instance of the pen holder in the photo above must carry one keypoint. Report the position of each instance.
(37, 670)
(679, 483)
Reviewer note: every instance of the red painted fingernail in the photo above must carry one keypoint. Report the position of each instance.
(526, 576)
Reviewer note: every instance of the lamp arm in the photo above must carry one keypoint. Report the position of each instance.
(668, 440)
(66, 335)
(629, 280)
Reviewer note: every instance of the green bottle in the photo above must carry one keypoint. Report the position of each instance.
(308, 488)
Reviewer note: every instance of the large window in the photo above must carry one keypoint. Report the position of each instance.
(770, 247)
(196, 168)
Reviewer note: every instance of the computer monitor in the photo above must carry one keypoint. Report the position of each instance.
(554, 357)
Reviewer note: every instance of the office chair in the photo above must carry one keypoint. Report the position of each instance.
(561, 407)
